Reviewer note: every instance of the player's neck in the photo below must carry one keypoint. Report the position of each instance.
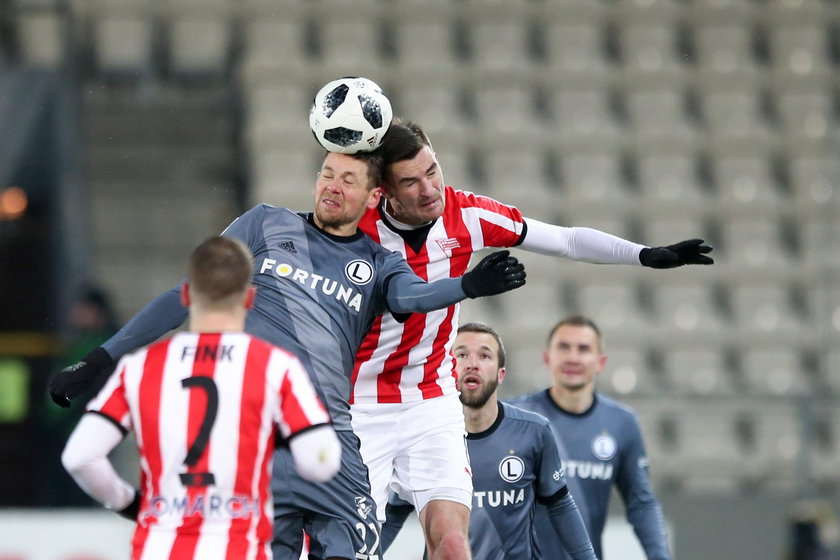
(217, 322)
(576, 401)
(478, 420)
(394, 220)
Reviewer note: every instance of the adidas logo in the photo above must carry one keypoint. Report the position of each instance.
(288, 246)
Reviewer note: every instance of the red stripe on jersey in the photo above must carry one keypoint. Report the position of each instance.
(148, 441)
(116, 406)
(388, 382)
(252, 405)
(366, 349)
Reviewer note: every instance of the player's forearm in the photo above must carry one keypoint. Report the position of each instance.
(407, 294)
(567, 522)
(160, 316)
(85, 457)
(580, 244)
(649, 525)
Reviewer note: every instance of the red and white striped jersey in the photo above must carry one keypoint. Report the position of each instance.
(411, 361)
(204, 408)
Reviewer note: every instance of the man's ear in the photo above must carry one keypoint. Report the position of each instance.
(502, 373)
(250, 296)
(185, 294)
(374, 197)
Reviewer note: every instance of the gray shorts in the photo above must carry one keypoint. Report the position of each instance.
(339, 515)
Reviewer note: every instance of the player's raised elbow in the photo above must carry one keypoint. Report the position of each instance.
(317, 453)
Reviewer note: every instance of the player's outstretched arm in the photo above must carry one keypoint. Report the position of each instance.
(161, 315)
(495, 274)
(595, 246)
(85, 457)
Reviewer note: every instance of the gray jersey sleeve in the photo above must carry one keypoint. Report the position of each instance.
(568, 524)
(643, 510)
(408, 293)
(160, 316)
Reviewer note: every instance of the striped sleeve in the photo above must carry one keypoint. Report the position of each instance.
(300, 407)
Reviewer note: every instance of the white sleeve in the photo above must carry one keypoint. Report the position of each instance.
(579, 243)
(317, 453)
(85, 457)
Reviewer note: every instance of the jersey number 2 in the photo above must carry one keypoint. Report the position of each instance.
(203, 438)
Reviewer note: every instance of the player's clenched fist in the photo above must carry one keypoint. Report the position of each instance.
(74, 380)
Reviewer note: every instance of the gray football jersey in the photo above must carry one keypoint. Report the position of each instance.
(514, 463)
(601, 447)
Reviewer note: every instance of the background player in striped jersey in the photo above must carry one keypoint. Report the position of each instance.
(405, 406)
(602, 442)
(515, 463)
(204, 405)
(321, 284)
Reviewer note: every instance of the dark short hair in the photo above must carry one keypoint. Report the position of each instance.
(220, 268)
(578, 321)
(478, 327)
(403, 141)
(375, 162)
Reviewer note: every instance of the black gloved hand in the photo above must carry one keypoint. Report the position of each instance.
(495, 274)
(72, 381)
(131, 510)
(685, 252)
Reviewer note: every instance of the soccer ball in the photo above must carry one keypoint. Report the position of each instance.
(350, 115)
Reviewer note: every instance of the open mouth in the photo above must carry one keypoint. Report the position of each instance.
(470, 382)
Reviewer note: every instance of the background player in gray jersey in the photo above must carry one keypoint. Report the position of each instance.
(602, 442)
(320, 283)
(515, 464)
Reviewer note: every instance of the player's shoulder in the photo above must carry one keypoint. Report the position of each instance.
(516, 414)
(529, 401)
(614, 407)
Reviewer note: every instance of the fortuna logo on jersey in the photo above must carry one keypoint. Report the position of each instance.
(358, 272)
(446, 245)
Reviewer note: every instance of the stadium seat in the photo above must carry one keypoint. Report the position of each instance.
(824, 451)
(200, 46)
(659, 113)
(650, 47)
(757, 242)
(123, 44)
(274, 43)
(813, 180)
(778, 371)
(284, 177)
(830, 370)
(350, 46)
(735, 113)
(501, 45)
(517, 177)
(819, 242)
(612, 304)
(434, 106)
(576, 47)
(628, 372)
(669, 178)
(708, 451)
(806, 114)
(745, 182)
(508, 113)
(765, 308)
(800, 48)
(725, 47)
(687, 307)
(276, 111)
(426, 45)
(583, 113)
(773, 442)
(592, 178)
(697, 371)
(40, 36)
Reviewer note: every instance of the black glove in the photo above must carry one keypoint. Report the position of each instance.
(131, 510)
(72, 381)
(685, 252)
(495, 274)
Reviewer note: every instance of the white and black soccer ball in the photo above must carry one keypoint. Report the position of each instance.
(350, 115)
